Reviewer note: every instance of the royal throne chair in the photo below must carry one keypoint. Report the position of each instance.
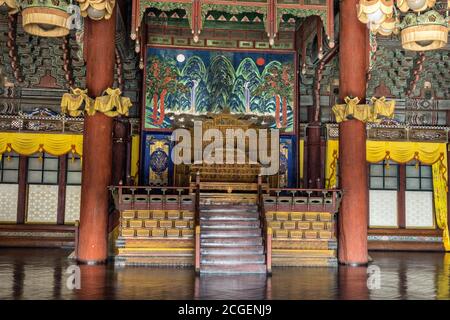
(228, 177)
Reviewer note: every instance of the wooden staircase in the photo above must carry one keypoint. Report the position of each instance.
(225, 233)
(231, 239)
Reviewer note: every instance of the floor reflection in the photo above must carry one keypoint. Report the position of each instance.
(42, 274)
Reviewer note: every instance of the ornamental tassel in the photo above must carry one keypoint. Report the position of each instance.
(387, 158)
(41, 153)
(443, 170)
(416, 157)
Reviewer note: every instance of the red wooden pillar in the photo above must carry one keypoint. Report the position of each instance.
(352, 140)
(97, 144)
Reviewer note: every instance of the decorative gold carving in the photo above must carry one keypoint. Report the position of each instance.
(398, 133)
(380, 109)
(97, 9)
(428, 135)
(386, 134)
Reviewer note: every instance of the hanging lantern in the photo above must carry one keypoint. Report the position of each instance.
(97, 9)
(388, 27)
(415, 5)
(375, 11)
(13, 6)
(428, 31)
(46, 18)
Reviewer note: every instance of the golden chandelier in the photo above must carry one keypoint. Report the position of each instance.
(421, 27)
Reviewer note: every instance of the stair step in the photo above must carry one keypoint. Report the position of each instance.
(231, 242)
(240, 216)
(154, 261)
(232, 260)
(300, 254)
(227, 208)
(220, 224)
(305, 262)
(224, 250)
(227, 233)
(234, 269)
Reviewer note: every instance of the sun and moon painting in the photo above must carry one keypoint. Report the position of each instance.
(184, 81)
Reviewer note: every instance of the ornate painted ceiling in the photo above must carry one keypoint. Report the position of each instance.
(39, 70)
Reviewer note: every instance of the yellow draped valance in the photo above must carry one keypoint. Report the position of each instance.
(30, 143)
(434, 154)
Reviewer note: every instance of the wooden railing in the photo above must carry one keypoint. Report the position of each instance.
(197, 223)
(266, 231)
(197, 249)
(303, 199)
(290, 199)
(150, 197)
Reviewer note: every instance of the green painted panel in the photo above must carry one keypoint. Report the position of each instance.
(200, 43)
(245, 44)
(316, 2)
(221, 43)
(285, 46)
(160, 40)
(180, 42)
(262, 45)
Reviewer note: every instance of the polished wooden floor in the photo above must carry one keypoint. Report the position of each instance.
(41, 274)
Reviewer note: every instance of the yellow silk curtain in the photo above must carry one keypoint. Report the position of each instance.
(332, 155)
(443, 279)
(301, 158)
(30, 143)
(434, 154)
(135, 157)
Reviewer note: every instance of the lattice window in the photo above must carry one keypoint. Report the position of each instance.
(74, 170)
(384, 176)
(43, 169)
(418, 177)
(9, 168)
